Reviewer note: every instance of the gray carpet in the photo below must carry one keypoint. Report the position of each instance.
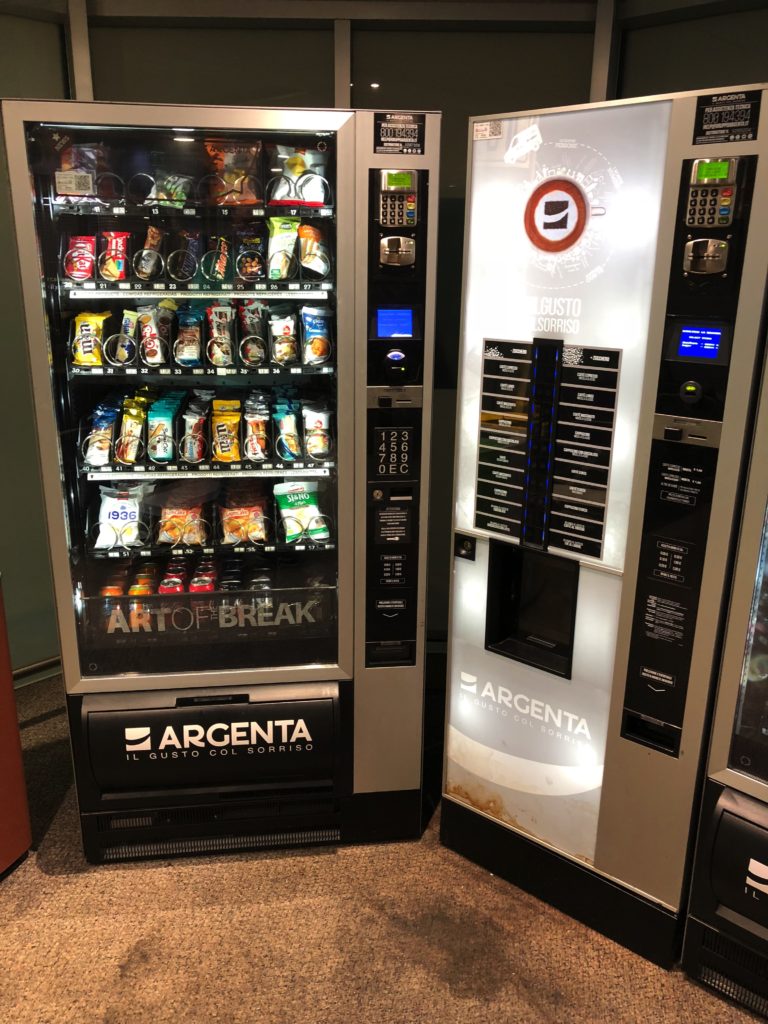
(393, 934)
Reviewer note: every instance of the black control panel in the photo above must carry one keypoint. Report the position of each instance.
(705, 277)
(395, 373)
(545, 440)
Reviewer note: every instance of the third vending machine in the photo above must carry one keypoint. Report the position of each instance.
(229, 315)
(612, 322)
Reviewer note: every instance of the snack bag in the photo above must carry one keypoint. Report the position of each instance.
(256, 415)
(281, 262)
(282, 333)
(128, 447)
(194, 445)
(148, 263)
(221, 324)
(253, 343)
(172, 189)
(225, 430)
(113, 261)
(300, 512)
(160, 421)
(87, 343)
(316, 329)
(242, 524)
(80, 257)
(188, 347)
(251, 253)
(314, 254)
(302, 179)
(182, 525)
(184, 261)
(151, 346)
(317, 432)
(287, 440)
(119, 517)
(120, 349)
(99, 439)
(236, 169)
(215, 262)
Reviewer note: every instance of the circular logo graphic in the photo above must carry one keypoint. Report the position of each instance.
(556, 215)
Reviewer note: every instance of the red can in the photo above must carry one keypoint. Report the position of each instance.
(202, 585)
(171, 585)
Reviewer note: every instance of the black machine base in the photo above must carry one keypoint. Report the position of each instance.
(634, 922)
(726, 966)
(232, 825)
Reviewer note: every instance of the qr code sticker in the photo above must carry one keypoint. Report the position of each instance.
(74, 183)
(487, 130)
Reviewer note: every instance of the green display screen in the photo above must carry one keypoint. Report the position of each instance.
(399, 179)
(712, 170)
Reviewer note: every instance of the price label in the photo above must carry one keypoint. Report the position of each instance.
(189, 211)
(193, 287)
(124, 285)
(165, 370)
(158, 287)
(171, 469)
(293, 287)
(118, 209)
(131, 370)
(139, 469)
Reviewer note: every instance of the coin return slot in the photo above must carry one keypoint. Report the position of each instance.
(531, 607)
(651, 733)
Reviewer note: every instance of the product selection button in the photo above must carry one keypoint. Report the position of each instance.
(580, 473)
(500, 492)
(576, 527)
(494, 524)
(576, 545)
(569, 507)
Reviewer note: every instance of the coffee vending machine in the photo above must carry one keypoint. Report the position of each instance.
(230, 316)
(612, 322)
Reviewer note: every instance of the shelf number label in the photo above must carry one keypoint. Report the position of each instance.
(393, 451)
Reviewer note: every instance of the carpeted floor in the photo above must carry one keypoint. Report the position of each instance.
(396, 934)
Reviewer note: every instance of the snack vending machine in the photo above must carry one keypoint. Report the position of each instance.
(726, 934)
(230, 317)
(613, 295)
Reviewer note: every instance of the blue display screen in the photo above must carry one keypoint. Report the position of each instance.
(394, 323)
(699, 342)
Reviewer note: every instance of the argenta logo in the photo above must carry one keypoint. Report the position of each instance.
(500, 699)
(757, 875)
(468, 682)
(274, 736)
(138, 738)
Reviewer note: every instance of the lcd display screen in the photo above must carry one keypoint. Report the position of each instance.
(699, 342)
(400, 179)
(394, 323)
(712, 170)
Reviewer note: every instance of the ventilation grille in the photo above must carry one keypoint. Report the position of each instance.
(739, 993)
(127, 821)
(216, 844)
(735, 953)
(184, 816)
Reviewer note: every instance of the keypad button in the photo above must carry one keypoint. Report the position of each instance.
(694, 192)
(723, 220)
(726, 192)
(710, 220)
(705, 192)
(700, 220)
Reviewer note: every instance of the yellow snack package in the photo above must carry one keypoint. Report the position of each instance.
(87, 343)
(225, 430)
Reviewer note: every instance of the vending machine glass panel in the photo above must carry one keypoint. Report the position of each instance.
(190, 304)
(749, 749)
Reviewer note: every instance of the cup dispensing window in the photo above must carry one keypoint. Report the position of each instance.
(531, 607)
(749, 746)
